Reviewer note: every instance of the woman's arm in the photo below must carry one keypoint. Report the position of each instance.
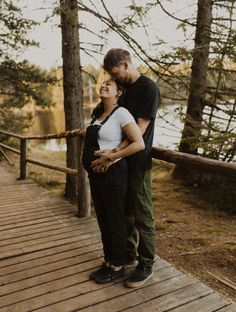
(136, 142)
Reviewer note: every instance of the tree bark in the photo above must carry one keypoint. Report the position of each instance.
(192, 128)
(72, 85)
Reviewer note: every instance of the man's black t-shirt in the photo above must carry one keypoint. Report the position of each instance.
(141, 99)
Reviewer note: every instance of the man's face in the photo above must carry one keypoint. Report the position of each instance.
(120, 73)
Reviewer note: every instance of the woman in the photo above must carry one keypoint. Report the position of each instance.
(108, 189)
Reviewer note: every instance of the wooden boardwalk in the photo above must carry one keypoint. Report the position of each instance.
(46, 255)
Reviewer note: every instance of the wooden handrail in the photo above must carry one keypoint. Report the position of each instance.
(83, 202)
(14, 135)
(65, 134)
(14, 150)
(202, 163)
(198, 162)
(50, 166)
(23, 149)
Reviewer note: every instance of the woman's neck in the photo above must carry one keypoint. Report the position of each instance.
(109, 104)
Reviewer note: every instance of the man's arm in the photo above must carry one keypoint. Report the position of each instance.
(143, 124)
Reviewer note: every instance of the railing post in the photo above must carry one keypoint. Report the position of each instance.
(84, 208)
(23, 156)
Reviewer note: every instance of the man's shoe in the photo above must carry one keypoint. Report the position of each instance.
(104, 268)
(109, 276)
(140, 276)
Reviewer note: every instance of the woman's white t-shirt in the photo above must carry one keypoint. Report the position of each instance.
(110, 134)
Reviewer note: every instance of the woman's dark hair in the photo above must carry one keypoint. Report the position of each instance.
(99, 109)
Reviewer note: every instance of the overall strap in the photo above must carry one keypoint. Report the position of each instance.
(105, 120)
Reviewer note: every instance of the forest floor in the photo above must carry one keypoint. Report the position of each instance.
(192, 235)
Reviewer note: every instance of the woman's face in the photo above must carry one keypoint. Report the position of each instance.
(108, 90)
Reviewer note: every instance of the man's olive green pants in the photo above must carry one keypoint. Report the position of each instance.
(140, 218)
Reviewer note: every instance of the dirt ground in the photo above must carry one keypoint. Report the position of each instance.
(194, 237)
(191, 235)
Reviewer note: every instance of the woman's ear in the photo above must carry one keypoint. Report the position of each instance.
(119, 93)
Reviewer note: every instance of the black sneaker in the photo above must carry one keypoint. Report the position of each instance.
(99, 271)
(141, 275)
(109, 276)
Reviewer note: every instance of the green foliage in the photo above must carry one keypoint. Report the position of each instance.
(20, 81)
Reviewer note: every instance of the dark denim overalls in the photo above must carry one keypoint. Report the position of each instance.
(108, 192)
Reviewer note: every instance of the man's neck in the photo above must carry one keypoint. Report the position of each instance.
(134, 76)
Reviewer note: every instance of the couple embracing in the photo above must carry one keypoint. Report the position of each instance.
(117, 157)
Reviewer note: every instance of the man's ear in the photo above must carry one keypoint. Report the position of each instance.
(126, 65)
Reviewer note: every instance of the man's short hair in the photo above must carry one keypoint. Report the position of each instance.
(115, 57)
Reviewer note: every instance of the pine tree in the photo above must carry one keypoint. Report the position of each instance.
(20, 81)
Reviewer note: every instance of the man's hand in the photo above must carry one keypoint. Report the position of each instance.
(103, 152)
(102, 163)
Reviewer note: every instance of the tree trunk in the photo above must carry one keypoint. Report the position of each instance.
(72, 84)
(198, 83)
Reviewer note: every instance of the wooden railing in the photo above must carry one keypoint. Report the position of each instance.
(209, 165)
(216, 167)
(83, 206)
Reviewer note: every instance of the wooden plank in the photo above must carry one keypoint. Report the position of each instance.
(66, 220)
(71, 301)
(28, 240)
(91, 245)
(41, 201)
(29, 225)
(29, 218)
(68, 233)
(10, 181)
(41, 205)
(50, 276)
(37, 201)
(13, 181)
(51, 268)
(31, 230)
(230, 308)
(143, 299)
(22, 196)
(174, 297)
(52, 244)
(61, 219)
(48, 252)
(45, 218)
(212, 302)
(88, 287)
(23, 189)
(32, 213)
(17, 301)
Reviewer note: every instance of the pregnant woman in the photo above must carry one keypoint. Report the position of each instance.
(110, 123)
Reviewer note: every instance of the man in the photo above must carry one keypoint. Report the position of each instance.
(141, 99)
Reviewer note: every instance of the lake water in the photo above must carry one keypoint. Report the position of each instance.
(168, 128)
